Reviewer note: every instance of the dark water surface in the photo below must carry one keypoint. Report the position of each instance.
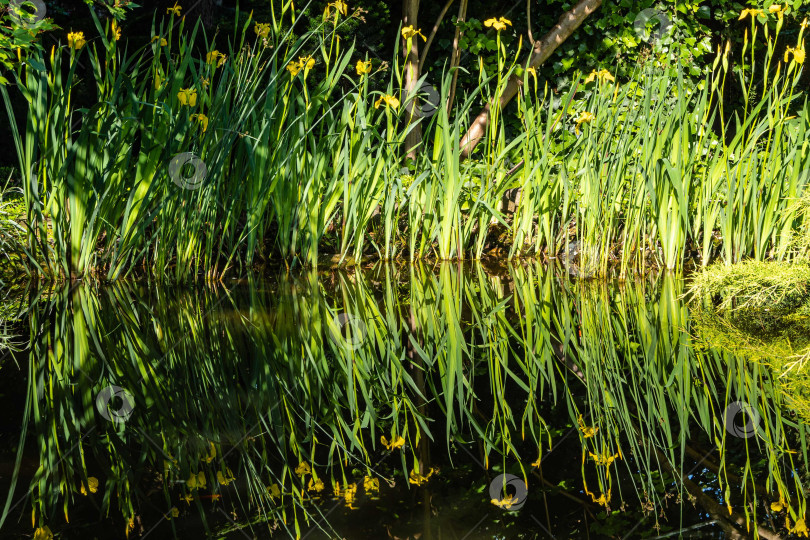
(389, 403)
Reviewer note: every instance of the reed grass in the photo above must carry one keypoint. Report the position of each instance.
(660, 174)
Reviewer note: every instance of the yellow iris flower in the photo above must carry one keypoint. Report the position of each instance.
(389, 101)
(215, 58)
(754, 13)
(196, 481)
(116, 30)
(262, 29)
(371, 485)
(227, 478)
(506, 502)
(315, 484)
(340, 7)
(92, 486)
(601, 76)
(604, 458)
(418, 479)
(797, 52)
(363, 67)
(584, 118)
(76, 40)
(498, 24)
(408, 32)
(43, 533)
(587, 431)
(175, 10)
(203, 121)
(396, 441)
(274, 491)
(163, 41)
(800, 529)
(303, 469)
(187, 96)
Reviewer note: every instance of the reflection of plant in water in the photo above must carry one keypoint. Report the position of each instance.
(254, 395)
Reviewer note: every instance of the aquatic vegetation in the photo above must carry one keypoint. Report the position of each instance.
(208, 155)
(310, 389)
(778, 287)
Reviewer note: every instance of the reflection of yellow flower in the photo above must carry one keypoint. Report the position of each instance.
(262, 29)
(389, 101)
(92, 486)
(227, 478)
(274, 491)
(303, 469)
(187, 498)
(418, 479)
(196, 481)
(800, 528)
(43, 533)
(601, 75)
(797, 52)
(506, 502)
(602, 500)
(498, 24)
(174, 512)
(76, 40)
(340, 7)
(408, 32)
(187, 96)
(163, 41)
(587, 431)
(754, 13)
(584, 118)
(396, 441)
(212, 452)
(604, 458)
(371, 484)
(175, 10)
(315, 484)
(363, 67)
(348, 493)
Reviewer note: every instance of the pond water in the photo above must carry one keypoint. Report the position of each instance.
(445, 402)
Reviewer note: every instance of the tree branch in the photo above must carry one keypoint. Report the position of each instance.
(541, 50)
(455, 56)
(433, 34)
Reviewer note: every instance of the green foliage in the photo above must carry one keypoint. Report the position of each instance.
(316, 368)
(776, 287)
(19, 28)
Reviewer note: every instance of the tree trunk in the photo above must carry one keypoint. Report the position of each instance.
(410, 11)
(455, 56)
(542, 49)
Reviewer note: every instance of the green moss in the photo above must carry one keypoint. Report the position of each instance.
(772, 289)
(782, 344)
(12, 237)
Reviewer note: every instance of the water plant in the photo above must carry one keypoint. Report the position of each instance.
(209, 154)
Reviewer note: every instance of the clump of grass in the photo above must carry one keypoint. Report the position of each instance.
(777, 287)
